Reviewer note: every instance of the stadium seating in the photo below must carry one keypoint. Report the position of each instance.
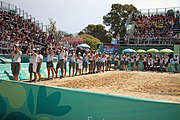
(155, 29)
(16, 29)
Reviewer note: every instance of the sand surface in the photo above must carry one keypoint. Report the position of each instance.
(159, 86)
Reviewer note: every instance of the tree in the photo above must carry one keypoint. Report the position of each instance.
(52, 27)
(90, 40)
(97, 31)
(117, 17)
(73, 40)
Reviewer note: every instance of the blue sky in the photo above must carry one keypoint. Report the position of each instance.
(74, 15)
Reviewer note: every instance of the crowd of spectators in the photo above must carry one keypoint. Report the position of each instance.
(154, 26)
(16, 29)
(155, 29)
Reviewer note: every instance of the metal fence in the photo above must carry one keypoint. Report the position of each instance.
(162, 11)
(9, 7)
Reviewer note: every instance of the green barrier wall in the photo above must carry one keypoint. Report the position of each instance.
(22, 101)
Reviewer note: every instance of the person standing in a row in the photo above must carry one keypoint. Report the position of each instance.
(60, 64)
(33, 63)
(49, 64)
(39, 63)
(15, 65)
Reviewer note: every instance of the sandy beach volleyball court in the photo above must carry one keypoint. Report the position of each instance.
(159, 86)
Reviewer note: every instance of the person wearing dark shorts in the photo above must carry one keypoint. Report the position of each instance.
(116, 60)
(145, 62)
(176, 62)
(132, 63)
(72, 63)
(15, 65)
(39, 62)
(49, 63)
(137, 61)
(60, 63)
(33, 63)
(85, 62)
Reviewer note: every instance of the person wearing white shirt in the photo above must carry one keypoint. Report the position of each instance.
(161, 63)
(33, 63)
(176, 62)
(39, 62)
(85, 62)
(109, 61)
(49, 63)
(91, 55)
(132, 62)
(166, 62)
(65, 61)
(137, 61)
(80, 63)
(116, 59)
(60, 63)
(72, 59)
(15, 65)
(103, 60)
(145, 62)
(98, 62)
(122, 61)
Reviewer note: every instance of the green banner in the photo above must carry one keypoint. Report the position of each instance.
(22, 101)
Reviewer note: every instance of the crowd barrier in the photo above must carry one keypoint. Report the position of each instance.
(24, 101)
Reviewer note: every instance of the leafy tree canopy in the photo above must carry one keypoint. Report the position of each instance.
(98, 31)
(117, 17)
(90, 40)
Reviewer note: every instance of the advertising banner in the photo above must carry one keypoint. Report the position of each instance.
(22, 101)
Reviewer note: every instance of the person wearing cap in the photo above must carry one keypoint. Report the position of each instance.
(102, 61)
(60, 64)
(85, 62)
(176, 62)
(65, 61)
(91, 62)
(39, 63)
(33, 62)
(79, 63)
(98, 62)
(15, 65)
(49, 63)
(116, 60)
(72, 57)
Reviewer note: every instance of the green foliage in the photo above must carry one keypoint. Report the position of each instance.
(90, 40)
(52, 27)
(97, 31)
(117, 17)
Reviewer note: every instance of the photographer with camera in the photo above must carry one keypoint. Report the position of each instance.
(15, 66)
(33, 62)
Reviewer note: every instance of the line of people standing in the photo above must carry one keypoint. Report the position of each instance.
(88, 62)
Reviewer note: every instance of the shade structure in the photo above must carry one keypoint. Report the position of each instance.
(129, 50)
(140, 51)
(153, 50)
(83, 45)
(166, 51)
